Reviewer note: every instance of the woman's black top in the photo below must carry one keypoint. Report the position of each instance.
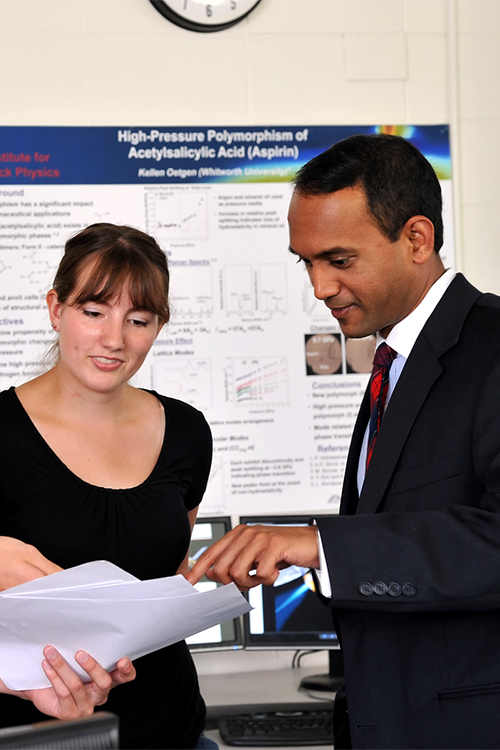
(145, 530)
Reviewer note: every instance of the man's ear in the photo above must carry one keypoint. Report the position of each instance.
(420, 232)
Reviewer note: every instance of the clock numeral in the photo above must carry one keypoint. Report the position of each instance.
(232, 4)
(209, 10)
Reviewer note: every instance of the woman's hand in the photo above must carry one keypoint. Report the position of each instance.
(69, 697)
(20, 562)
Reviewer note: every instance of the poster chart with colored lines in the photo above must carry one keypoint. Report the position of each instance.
(248, 343)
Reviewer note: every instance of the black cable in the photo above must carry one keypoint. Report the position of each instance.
(304, 653)
(299, 654)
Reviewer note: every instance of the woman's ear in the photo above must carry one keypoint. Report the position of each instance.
(54, 307)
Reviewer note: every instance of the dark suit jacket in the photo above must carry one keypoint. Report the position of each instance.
(415, 562)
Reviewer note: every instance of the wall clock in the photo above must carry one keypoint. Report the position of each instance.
(204, 15)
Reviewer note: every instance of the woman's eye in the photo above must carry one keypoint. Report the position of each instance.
(139, 323)
(92, 313)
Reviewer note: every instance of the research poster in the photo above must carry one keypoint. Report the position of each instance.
(248, 344)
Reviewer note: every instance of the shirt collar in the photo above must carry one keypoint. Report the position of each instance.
(404, 334)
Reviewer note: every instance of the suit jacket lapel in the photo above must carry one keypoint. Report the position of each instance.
(421, 371)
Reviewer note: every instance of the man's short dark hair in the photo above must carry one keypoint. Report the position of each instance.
(397, 179)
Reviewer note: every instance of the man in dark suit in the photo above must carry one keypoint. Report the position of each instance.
(413, 559)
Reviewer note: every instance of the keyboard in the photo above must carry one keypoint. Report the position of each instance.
(281, 728)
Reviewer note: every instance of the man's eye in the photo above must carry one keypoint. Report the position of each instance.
(305, 261)
(341, 262)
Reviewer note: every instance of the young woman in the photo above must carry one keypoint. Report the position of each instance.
(94, 468)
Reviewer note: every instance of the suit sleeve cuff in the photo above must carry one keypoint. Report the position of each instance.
(322, 576)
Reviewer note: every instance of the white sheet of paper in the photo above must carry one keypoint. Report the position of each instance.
(105, 611)
(97, 573)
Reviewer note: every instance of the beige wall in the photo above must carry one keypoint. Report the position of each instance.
(118, 62)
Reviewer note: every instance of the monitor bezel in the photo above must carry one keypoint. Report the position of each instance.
(228, 645)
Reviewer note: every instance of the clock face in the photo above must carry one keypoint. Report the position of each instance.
(204, 15)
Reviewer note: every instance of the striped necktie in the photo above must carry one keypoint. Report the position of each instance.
(379, 385)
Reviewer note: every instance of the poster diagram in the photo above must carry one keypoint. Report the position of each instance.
(192, 292)
(259, 380)
(177, 214)
(239, 289)
(188, 380)
(272, 288)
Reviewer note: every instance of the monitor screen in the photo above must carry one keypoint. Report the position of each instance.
(288, 614)
(228, 635)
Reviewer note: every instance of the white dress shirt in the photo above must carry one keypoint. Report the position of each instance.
(402, 339)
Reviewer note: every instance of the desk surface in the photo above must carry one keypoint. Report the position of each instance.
(249, 689)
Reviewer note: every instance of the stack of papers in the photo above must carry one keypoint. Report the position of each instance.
(107, 612)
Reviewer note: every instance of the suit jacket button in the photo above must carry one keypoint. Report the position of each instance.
(365, 588)
(380, 588)
(409, 589)
(394, 589)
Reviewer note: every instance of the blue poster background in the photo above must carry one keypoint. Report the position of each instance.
(151, 155)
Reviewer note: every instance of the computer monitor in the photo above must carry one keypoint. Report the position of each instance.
(228, 635)
(290, 614)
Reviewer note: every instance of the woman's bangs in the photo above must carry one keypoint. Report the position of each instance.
(107, 281)
(147, 292)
